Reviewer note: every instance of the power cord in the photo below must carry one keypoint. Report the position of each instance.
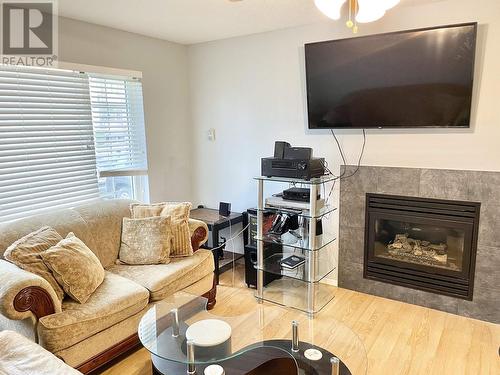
(232, 238)
(342, 175)
(360, 156)
(340, 151)
(344, 160)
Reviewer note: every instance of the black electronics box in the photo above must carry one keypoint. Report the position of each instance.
(303, 169)
(298, 194)
(292, 162)
(250, 219)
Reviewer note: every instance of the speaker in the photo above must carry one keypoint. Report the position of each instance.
(224, 209)
(279, 149)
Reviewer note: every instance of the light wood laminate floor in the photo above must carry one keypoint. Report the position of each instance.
(399, 338)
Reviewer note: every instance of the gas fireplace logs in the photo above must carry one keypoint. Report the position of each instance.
(424, 250)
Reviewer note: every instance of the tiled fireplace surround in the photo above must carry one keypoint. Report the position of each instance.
(474, 186)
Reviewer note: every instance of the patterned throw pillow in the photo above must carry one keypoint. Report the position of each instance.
(25, 253)
(75, 267)
(146, 241)
(179, 212)
(141, 211)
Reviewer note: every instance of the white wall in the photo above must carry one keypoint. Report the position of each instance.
(251, 90)
(165, 85)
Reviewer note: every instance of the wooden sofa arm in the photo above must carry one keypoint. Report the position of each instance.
(36, 300)
(23, 294)
(199, 233)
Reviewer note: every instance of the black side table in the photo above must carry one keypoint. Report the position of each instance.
(215, 223)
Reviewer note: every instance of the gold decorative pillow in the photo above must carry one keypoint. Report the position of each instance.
(25, 253)
(179, 212)
(146, 240)
(181, 243)
(141, 211)
(75, 267)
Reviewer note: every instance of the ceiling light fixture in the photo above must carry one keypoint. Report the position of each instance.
(361, 11)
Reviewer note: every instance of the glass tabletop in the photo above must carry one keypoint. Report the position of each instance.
(181, 330)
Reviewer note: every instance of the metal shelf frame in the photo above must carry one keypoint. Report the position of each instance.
(312, 263)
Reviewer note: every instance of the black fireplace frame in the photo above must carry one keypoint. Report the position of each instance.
(427, 278)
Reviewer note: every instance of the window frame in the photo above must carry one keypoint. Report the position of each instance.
(140, 181)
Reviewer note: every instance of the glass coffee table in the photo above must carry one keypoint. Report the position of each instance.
(184, 338)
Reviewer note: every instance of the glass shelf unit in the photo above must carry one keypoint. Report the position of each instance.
(328, 209)
(303, 244)
(301, 288)
(301, 295)
(323, 262)
(312, 181)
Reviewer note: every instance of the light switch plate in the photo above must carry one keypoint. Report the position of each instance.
(211, 134)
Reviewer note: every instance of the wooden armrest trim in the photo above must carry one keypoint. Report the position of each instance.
(36, 300)
(198, 235)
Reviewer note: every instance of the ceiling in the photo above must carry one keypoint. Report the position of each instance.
(196, 21)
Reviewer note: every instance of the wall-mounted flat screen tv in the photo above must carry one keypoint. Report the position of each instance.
(409, 79)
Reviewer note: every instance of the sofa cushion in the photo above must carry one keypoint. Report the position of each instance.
(104, 220)
(63, 222)
(21, 356)
(75, 267)
(115, 300)
(142, 210)
(25, 253)
(146, 241)
(181, 242)
(179, 213)
(163, 280)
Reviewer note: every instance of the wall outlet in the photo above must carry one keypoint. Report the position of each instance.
(211, 134)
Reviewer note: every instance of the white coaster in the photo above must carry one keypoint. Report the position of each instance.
(214, 370)
(313, 354)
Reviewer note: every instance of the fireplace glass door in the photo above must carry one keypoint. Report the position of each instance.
(421, 244)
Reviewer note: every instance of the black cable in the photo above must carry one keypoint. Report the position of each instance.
(325, 167)
(342, 175)
(360, 156)
(341, 153)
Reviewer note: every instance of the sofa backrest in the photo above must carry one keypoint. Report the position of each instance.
(97, 224)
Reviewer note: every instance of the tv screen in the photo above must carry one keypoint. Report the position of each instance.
(408, 79)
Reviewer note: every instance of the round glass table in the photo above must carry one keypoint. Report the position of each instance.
(184, 338)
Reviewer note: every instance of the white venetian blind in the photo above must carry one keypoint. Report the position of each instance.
(47, 156)
(118, 117)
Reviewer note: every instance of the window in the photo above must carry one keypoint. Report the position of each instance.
(120, 142)
(67, 138)
(47, 155)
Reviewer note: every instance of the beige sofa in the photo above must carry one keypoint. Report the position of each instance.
(20, 356)
(88, 335)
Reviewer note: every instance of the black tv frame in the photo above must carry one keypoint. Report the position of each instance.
(475, 24)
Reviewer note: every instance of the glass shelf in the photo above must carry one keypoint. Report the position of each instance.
(304, 213)
(303, 244)
(324, 264)
(312, 181)
(294, 293)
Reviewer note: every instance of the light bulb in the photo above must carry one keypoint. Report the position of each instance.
(370, 10)
(330, 8)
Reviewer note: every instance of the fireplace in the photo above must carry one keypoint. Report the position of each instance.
(426, 244)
